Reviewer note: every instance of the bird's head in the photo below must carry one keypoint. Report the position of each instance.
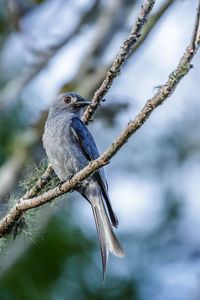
(70, 102)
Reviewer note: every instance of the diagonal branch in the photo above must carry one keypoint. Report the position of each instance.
(121, 58)
(163, 93)
(196, 26)
(153, 20)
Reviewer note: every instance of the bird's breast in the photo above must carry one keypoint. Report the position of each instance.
(62, 149)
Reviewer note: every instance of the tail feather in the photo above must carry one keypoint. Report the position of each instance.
(107, 238)
(112, 215)
(102, 240)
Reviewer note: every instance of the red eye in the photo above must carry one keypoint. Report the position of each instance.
(67, 99)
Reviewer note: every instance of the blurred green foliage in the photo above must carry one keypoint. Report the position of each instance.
(60, 265)
(11, 124)
(4, 24)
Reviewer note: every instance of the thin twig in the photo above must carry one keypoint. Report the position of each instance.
(42, 181)
(115, 69)
(163, 93)
(152, 21)
(196, 26)
(91, 72)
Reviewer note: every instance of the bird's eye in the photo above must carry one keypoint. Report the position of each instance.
(67, 99)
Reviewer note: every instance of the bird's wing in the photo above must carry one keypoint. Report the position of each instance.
(87, 143)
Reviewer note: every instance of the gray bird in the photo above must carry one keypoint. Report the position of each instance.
(70, 146)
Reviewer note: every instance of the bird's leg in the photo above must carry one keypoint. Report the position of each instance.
(63, 181)
(60, 184)
(69, 178)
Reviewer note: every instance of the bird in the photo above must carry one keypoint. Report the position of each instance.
(70, 146)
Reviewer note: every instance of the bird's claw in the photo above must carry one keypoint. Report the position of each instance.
(60, 184)
(69, 179)
(63, 181)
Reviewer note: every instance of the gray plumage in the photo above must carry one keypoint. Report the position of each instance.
(70, 146)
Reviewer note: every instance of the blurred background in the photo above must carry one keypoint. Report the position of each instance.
(154, 181)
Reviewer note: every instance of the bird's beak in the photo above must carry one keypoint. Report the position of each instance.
(83, 102)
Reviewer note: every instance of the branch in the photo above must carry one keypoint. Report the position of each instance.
(91, 73)
(196, 26)
(42, 181)
(121, 58)
(163, 93)
(153, 20)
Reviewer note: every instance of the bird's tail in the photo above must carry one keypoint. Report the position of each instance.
(107, 238)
